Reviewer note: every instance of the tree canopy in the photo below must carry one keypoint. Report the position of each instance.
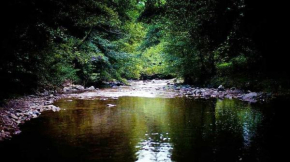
(205, 42)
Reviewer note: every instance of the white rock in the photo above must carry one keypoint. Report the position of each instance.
(91, 88)
(110, 105)
(250, 95)
(14, 116)
(79, 87)
(48, 102)
(67, 89)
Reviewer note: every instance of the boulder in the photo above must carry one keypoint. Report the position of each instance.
(213, 96)
(55, 109)
(229, 96)
(208, 93)
(17, 132)
(189, 93)
(45, 93)
(48, 102)
(18, 111)
(14, 116)
(91, 88)
(19, 114)
(177, 88)
(197, 91)
(240, 96)
(79, 87)
(233, 88)
(67, 89)
(221, 88)
(115, 87)
(249, 96)
(237, 92)
(36, 112)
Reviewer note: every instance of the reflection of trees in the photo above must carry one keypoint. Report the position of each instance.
(94, 127)
(237, 119)
(192, 128)
(155, 127)
(150, 129)
(205, 130)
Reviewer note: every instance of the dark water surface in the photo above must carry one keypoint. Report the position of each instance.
(149, 129)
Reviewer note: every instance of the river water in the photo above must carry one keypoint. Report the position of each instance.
(148, 129)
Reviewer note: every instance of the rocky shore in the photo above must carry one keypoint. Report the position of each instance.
(17, 111)
(221, 93)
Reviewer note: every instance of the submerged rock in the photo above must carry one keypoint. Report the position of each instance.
(55, 109)
(111, 105)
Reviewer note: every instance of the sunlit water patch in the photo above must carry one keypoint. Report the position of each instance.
(157, 148)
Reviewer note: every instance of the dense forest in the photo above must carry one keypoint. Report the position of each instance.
(237, 43)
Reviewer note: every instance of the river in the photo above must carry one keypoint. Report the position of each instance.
(149, 128)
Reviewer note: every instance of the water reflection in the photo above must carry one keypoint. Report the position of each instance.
(143, 129)
(154, 149)
(238, 118)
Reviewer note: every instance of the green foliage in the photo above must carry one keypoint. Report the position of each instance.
(204, 42)
(62, 40)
